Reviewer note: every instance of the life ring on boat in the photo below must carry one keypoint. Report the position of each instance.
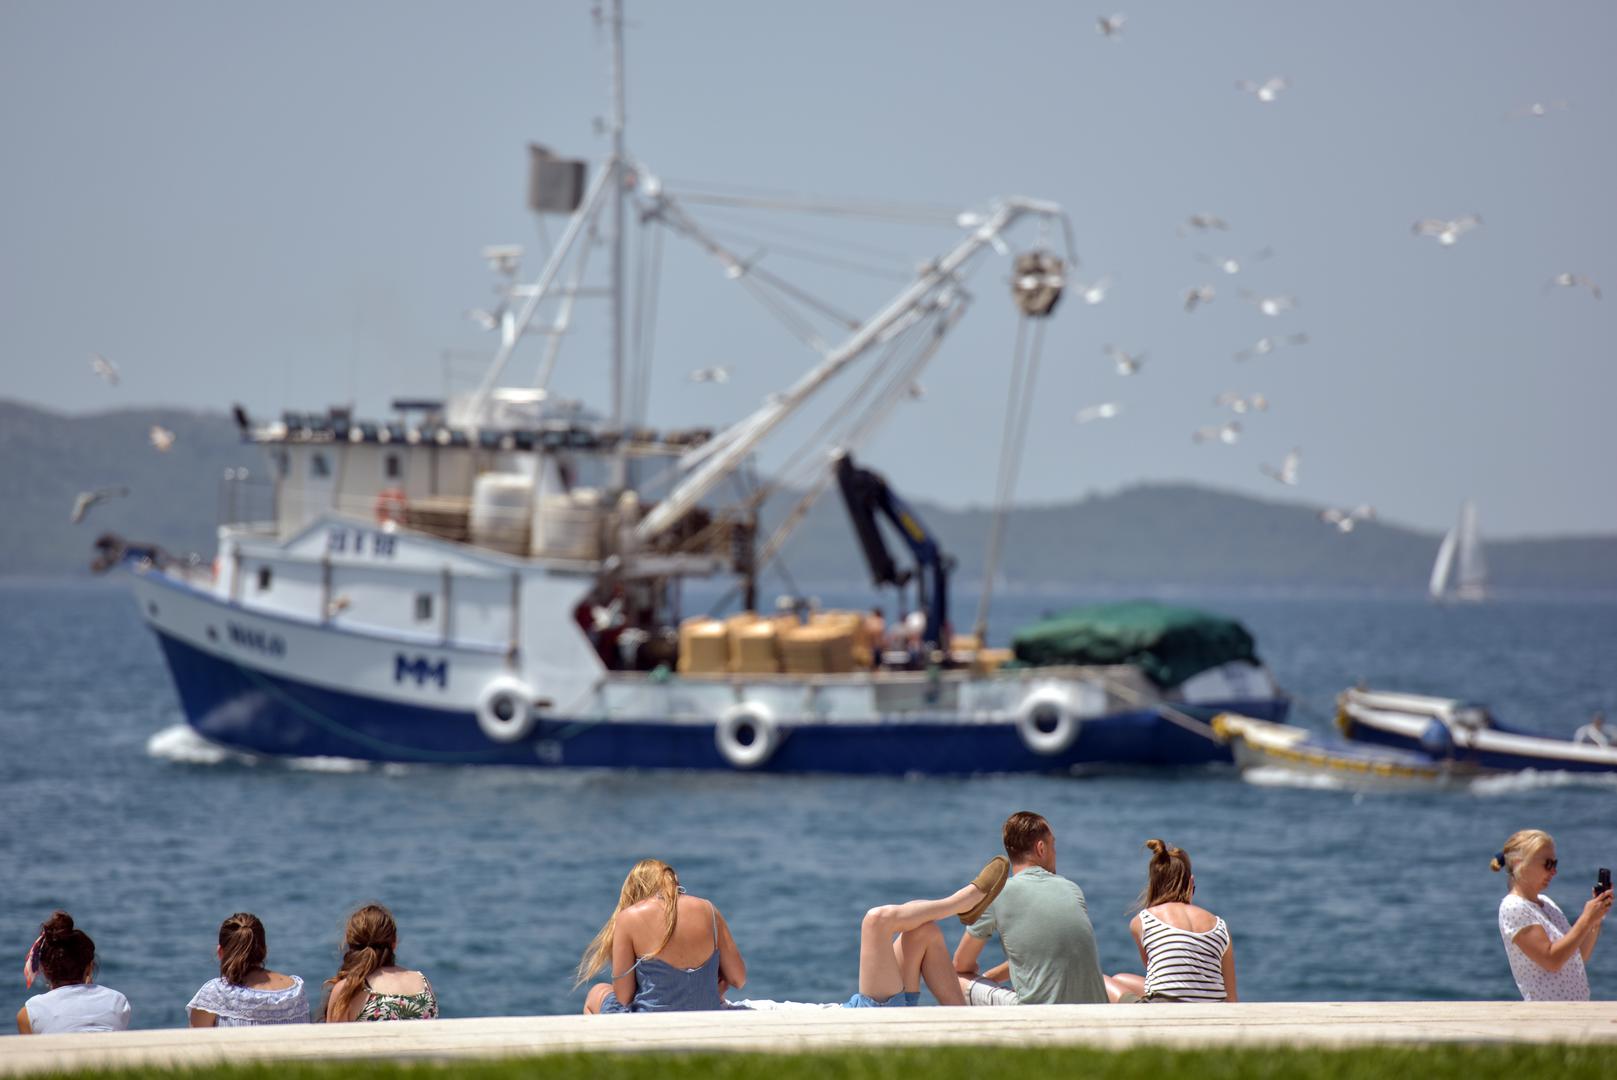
(1046, 722)
(505, 709)
(392, 505)
(747, 735)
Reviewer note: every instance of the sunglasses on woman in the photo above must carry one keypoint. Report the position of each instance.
(1551, 864)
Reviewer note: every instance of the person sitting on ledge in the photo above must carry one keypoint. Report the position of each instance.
(900, 945)
(668, 951)
(370, 985)
(1186, 949)
(246, 993)
(1043, 924)
(66, 957)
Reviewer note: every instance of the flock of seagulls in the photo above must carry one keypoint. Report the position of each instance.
(160, 437)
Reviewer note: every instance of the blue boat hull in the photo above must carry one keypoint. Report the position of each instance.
(246, 709)
(1480, 759)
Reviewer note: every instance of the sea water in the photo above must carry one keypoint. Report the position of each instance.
(498, 878)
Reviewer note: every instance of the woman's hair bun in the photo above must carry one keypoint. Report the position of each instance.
(1497, 863)
(1158, 849)
(59, 924)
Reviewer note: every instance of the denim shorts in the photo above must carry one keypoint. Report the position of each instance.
(865, 1001)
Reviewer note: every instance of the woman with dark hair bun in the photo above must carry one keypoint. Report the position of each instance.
(370, 985)
(246, 993)
(66, 957)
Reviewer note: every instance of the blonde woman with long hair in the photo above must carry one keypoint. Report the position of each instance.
(1186, 949)
(370, 985)
(667, 951)
(1547, 955)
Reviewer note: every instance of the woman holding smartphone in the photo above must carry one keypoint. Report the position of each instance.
(1546, 953)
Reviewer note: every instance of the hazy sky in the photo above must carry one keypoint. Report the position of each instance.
(282, 205)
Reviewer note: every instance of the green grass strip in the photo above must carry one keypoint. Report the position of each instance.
(1462, 1062)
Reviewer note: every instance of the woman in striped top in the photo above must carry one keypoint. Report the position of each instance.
(1187, 949)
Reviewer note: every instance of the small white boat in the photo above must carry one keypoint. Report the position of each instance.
(1459, 573)
(1261, 744)
(1461, 733)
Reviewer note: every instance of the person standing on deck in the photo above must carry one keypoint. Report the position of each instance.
(1043, 924)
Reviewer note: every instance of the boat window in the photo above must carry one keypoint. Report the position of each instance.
(423, 606)
(318, 466)
(392, 466)
(263, 578)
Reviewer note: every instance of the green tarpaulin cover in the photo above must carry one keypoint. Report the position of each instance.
(1170, 644)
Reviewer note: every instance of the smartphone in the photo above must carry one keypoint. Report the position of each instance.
(1603, 881)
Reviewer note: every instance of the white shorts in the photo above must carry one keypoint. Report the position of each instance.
(982, 991)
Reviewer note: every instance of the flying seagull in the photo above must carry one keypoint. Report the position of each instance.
(1228, 433)
(1203, 222)
(1242, 403)
(1540, 108)
(87, 499)
(1345, 520)
(1266, 345)
(1446, 232)
(711, 374)
(1127, 363)
(161, 437)
(1094, 294)
(105, 368)
(1266, 91)
(1200, 294)
(1569, 280)
(1232, 264)
(1287, 473)
(488, 320)
(1098, 412)
(1269, 305)
(1110, 26)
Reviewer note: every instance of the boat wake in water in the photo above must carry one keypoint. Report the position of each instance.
(180, 744)
(1488, 786)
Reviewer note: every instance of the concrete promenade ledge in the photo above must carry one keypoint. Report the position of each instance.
(1107, 1027)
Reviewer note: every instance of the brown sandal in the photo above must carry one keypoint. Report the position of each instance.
(991, 880)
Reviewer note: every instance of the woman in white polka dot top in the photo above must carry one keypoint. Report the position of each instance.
(1546, 954)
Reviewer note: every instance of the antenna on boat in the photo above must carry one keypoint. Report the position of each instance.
(619, 181)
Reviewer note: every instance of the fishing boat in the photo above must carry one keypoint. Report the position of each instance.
(498, 577)
(1459, 573)
(1461, 733)
(1330, 760)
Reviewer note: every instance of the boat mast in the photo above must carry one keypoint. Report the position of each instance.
(619, 478)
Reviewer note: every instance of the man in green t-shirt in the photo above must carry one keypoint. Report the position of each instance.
(1043, 925)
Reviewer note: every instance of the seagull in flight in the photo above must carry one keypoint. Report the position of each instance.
(1242, 403)
(1098, 412)
(87, 499)
(1269, 305)
(1345, 520)
(1232, 264)
(161, 438)
(1266, 91)
(106, 369)
(710, 375)
(1228, 433)
(1110, 26)
(1200, 294)
(1204, 222)
(1266, 345)
(488, 320)
(1446, 232)
(1127, 363)
(1094, 294)
(1287, 473)
(1569, 280)
(1540, 109)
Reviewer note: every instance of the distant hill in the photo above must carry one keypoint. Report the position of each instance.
(1151, 534)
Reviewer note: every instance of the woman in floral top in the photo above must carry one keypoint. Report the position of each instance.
(370, 985)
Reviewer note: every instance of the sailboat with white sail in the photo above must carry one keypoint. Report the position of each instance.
(1460, 573)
